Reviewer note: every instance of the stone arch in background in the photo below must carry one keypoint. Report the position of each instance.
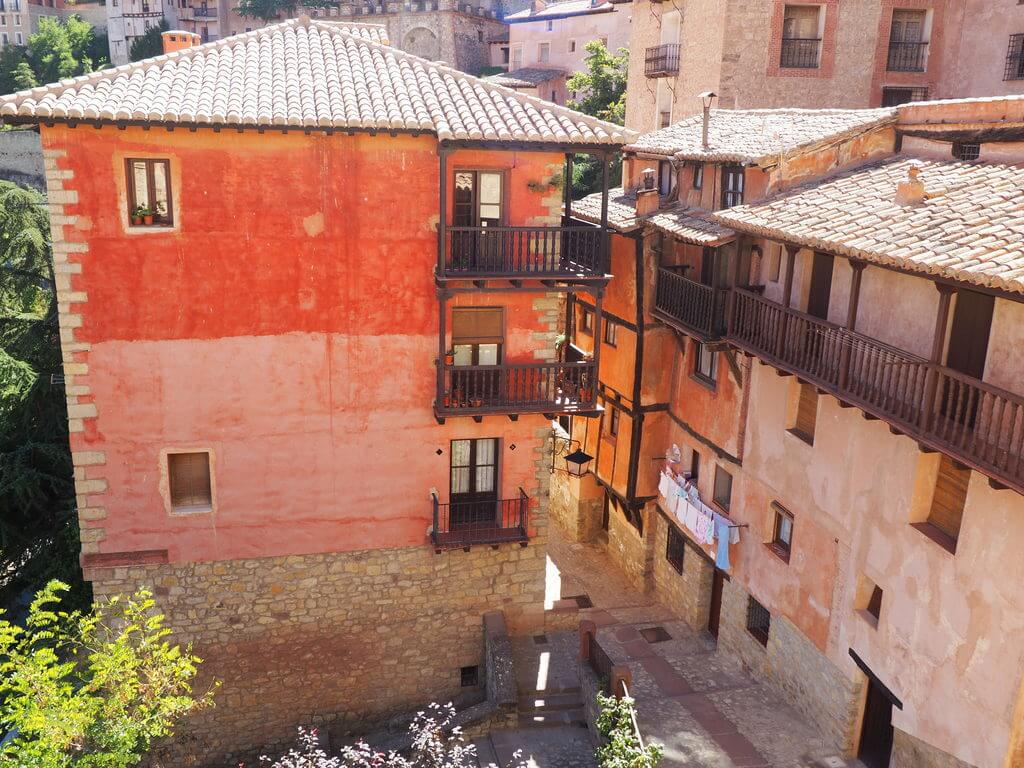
(422, 42)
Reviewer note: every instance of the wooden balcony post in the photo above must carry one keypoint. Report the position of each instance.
(734, 282)
(598, 340)
(442, 303)
(568, 189)
(787, 297)
(938, 342)
(605, 237)
(851, 319)
(443, 211)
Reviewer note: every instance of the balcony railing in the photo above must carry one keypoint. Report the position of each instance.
(207, 13)
(978, 424)
(662, 60)
(696, 307)
(907, 57)
(799, 52)
(517, 388)
(554, 252)
(490, 521)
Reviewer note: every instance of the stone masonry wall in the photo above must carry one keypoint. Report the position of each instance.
(908, 752)
(21, 158)
(340, 640)
(687, 593)
(793, 667)
(630, 551)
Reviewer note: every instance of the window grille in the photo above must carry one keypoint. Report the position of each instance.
(759, 621)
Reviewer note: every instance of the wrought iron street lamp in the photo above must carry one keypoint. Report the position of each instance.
(577, 463)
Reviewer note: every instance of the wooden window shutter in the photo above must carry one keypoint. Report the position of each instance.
(806, 412)
(948, 500)
(188, 476)
(478, 325)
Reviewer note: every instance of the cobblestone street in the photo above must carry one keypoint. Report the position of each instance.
(704, 710)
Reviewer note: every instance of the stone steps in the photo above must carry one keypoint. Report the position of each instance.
(557, 706)
(575, 718)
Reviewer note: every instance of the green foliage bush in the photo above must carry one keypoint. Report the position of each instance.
(90, 690)
(620, 747)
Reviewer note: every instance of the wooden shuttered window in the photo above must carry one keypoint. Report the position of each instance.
(188, 477)
(478, 325)
(806, 413)
(950, 495)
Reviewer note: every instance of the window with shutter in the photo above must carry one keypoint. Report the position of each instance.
(188, 476)
(478, 325)
(723, 488)
(806, 414)
(947, 509)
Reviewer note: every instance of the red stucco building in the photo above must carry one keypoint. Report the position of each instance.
(310, 289)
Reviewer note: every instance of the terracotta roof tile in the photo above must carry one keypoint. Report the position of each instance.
(306, 73)
(691, 225)
(528, 77)
(753, 135)
(970, 227)
(621, 210)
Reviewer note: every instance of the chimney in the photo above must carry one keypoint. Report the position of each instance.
(176, 39)
(536, 6)
(647, 198)
(911, 191)
(706, 98)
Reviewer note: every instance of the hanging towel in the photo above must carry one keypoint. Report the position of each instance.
(734, 535)
(709, 532)
(691, 518)
(664, 485)
(722, 555)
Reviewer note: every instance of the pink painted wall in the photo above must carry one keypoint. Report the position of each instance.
(287, 323)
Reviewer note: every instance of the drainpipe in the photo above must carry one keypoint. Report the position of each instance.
(706, 98)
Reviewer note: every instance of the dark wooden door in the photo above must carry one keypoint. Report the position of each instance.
(474, 483)
(966, 353)
(605, 511)
(876, 733)
(968, 338)
(478, 202)
(821, 286)
(715, 613)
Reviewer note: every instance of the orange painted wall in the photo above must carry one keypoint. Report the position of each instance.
(288, 323)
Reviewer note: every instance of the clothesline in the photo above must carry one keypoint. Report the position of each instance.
(682, 499)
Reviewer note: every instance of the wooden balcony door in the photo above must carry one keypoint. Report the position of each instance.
(967, 352)
(478, 202)
(820, 292)
(474, 483)
(478, 338)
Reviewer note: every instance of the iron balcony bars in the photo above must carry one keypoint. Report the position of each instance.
(517, 388)
(976, 423)
(556, 252)
(799, 52)
(662, 60)
(488, 521)
(907, 56)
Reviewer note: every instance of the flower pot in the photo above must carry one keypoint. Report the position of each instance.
(136, 220)
(447, 401)
(148, 219)
(477, 402)
(449, 359)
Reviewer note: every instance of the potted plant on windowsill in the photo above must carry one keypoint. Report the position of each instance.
(147, 214)
(137, 214)
(449, 357)
(161, 212)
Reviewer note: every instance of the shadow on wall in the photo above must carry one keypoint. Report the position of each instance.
(21, 158)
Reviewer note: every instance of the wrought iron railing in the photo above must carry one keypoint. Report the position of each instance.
(517, 388)
(799, 52)
(972, 421)
(695, 306)
(600, 662)
(907, 57)
(557, 252)
(492, 521)
(662, 60)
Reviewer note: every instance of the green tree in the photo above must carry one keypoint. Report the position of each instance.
(602, 94)
(60, 49)
(150, 44)
(91, 690)
(15, 72)
(271, 10)
(38, 529)
(602, 86)
(621, 746)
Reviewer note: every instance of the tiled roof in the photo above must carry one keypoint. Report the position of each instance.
(621, 210)
(378, 33)
(690, 225)
(528, 77)
(970, 227)
(752, 135)
(557, 10)
(309, 74)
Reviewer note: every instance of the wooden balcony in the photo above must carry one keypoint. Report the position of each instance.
(482, 390)
(463, 524)
(976, 424)
(553, 253)
(692, 307)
